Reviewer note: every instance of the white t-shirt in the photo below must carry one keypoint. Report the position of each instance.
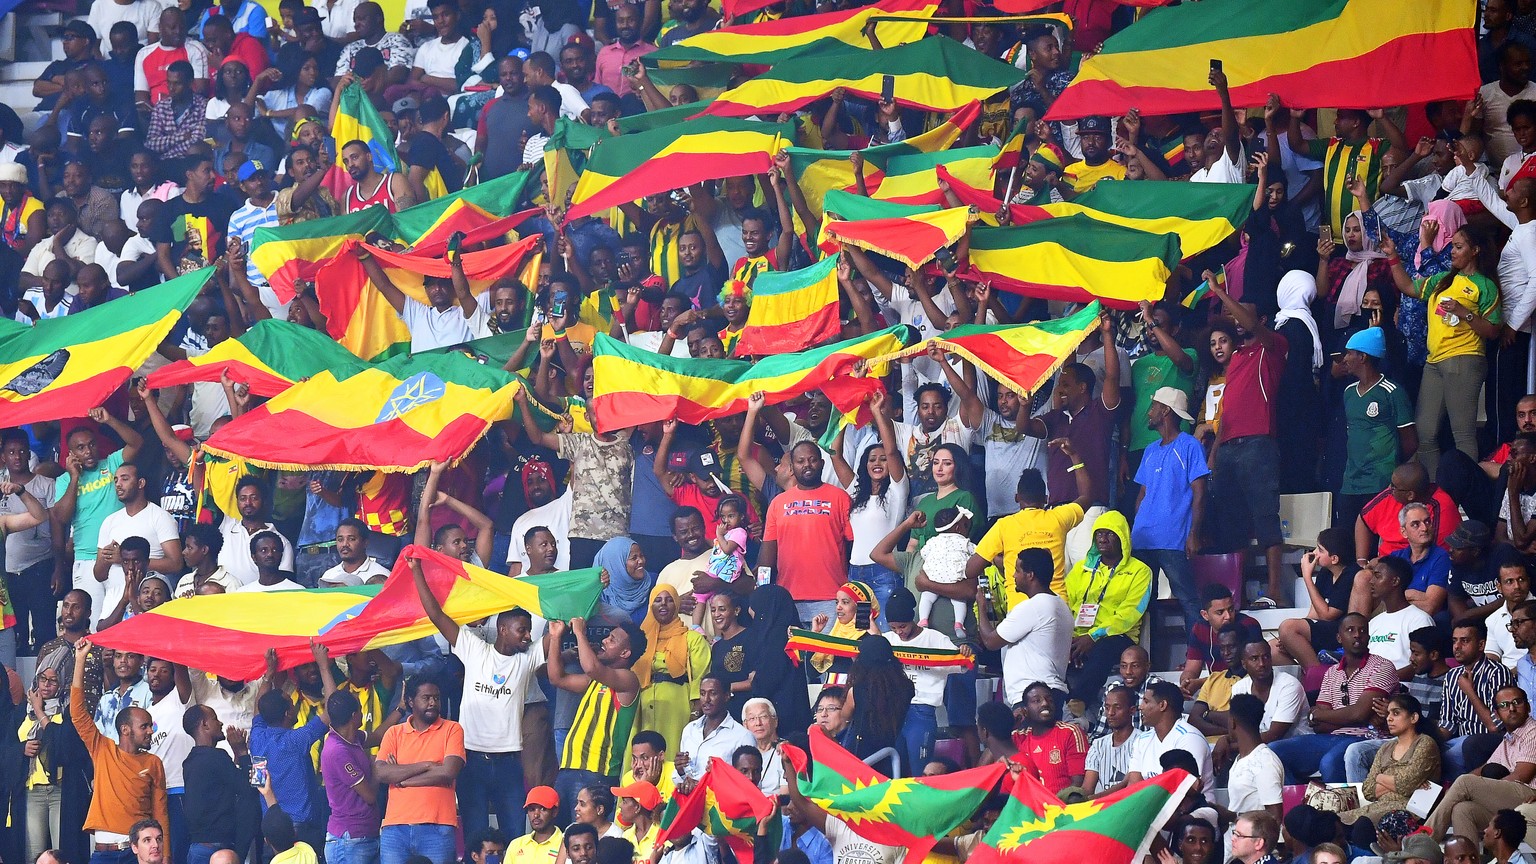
(650, 340)
(170, 741)
(495, 685)
(1496, 129)
(850, 848)
(1039, 633)
(143, 14)
(1287, 703)
(338, 575)
(236, 558)
(1389, 633)
(440, 60)
(1225, 170)
(571, 101)
(928, 682)
(1108, 761)
(433, 329)
(153, 524)
(258, 588)
(1009, 453)
(872, 522)
(1147, 750)
(1256, 780)
(556, 516)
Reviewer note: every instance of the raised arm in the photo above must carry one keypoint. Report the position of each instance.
(754, 470)
(395, 297)
(423, 534)
(130, 436)
(971, 407)
(531, 427)
(445, 625)
(1230, 136)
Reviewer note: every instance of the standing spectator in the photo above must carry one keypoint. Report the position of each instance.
(42, 745)
(1036, 635)
(346, 769)
(287, 751)
(504, 118)
(144, 15)
(137, 518)
(920, 731)
(240, 529)
(1171, 505)
(602, 464)
(628, 47)
(28, 550)
(610, 694)
(219, 807)
(420, 761)
(715, 733)
(1380, 433)
(812, 521)
(1035, 525)
(84, 497)
(672, 668)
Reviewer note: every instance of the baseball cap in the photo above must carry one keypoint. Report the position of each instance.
(250, 169)
(1097, 123)
(1470, 534)
(405, 103)
(1371, 341)
(1418, 847)
(1175, 399)
(704, 462)
(542, 796)
(79, 28)
(643, 791)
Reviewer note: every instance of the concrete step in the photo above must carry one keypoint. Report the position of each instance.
(23, 72)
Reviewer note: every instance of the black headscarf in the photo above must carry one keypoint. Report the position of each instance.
(778, 679)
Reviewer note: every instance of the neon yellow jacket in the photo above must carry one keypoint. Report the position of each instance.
(1122, 592)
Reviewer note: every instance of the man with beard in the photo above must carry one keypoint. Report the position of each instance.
(693, 17)
(624, 50)
(702, 262)
(504, 302)
(217, 790)
(1093, 134)
(267, 552)
(577, 60)
(84, 497)
(693, 554)
(420, 760)
(129, 780)
(169, 694)
(1054, 751)
(547, 508)
(238, 531)
(504, 119)
(610, 699)
(356, 567)
(306, 197)
(813, 520)
(130, 691)
(369, 187)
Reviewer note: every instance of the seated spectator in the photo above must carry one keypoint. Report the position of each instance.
(1109, 755)
(1110, 621)
(1329, 578)
(1467, 725)
(1469, 804)
(1054, 752)
(1407, 760)
(1514, 589)
(1162, 707)
(1257, 778)
(1379, 530)
(1217, 610)
(1386, 587)
(1286, 710)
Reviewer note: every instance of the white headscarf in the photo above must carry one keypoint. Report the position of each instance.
(1296, 292)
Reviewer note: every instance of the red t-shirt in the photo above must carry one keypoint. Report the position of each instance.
(155, 64)
(813, 533)
(249, 50)
(1253, 382)
(1381, 516)
(1055, 757)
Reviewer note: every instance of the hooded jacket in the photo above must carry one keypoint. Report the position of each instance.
(1122, 592)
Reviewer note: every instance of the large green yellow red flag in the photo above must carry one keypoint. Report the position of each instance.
(358, 120)
(913, 178)
(1115, 829)
(634, 386)
(1075, 258)
(399, 415)
(621, 170)
(936, 74)
(911, 240)
(1018, 356)
(268, 358)
(228, 634)
(1312, 53)
(63, 367)
(791, 311)
(775, 41)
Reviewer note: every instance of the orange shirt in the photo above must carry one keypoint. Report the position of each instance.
(129, 786)
(422, 805)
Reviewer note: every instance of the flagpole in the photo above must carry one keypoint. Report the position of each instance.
(1013, 174)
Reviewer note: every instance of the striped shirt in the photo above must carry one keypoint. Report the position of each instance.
(243, 224)
(1374, 676)
(599, 735)
(1342, 159)
(1457, 712)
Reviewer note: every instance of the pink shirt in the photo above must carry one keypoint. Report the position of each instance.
(611, 60)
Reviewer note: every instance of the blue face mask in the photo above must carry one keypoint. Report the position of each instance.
(493, 858)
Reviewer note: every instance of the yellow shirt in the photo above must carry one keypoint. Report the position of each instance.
(643, 845)
(664, 786)
(1469, 292)
(39, 777)
(1045, 529)
(1082, 176)
(526, 850)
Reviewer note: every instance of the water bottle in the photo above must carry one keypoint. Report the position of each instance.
(1285, 529)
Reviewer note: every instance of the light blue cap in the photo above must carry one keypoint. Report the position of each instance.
(1370, 341)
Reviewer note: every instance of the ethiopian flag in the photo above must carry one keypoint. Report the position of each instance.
(634, 386)
(914, 179)
(1076, 258)
(671, 157)
(1018, 356)
(63, 367)
(1312, 53)
(803, 641)
(400, 415)
(228, 634)
(269, 358)
(791, 311)
(937, 74)
(1116, 829)
(1203, 290)
(912, 240)
(358, 120)
(820, 171)
(771, 42)
(911, 812)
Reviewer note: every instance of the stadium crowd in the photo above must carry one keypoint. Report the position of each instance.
(1366, 332)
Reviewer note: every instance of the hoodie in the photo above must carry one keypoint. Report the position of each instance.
(1122, 593)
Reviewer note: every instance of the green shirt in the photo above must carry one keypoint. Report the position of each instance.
(1372, 419)
(1342, 160)
(95, 500)
(930, 505)
(1148, 373)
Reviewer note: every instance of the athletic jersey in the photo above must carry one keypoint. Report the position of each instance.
(1340, 161)
(382, 195)
(664, 260)
(372, 704)
(748, 269)
(599, 735)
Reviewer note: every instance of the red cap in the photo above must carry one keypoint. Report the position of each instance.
(542, 796)
(643, 791)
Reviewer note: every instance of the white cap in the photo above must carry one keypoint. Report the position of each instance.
(1176, 400)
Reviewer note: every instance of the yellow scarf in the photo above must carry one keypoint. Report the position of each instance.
(671, 639)
(859, 593)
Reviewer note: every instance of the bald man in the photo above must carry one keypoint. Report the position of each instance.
(1378, 530)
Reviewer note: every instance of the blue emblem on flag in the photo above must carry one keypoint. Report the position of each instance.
(413, 392)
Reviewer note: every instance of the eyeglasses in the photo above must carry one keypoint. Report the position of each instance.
(1516, 622)
(1237, 836)
(1510, 703)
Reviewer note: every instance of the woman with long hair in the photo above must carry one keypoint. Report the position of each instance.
(878, 487)
(1221, 342)
(675, 659)
(876, 703)
(298, 84)
(951, 466)
(1409, 760)
(1463, 314)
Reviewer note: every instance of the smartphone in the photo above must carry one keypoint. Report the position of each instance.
(888, 88)
(1215, 65)
(946, 259)
(557, 306)
(259, 771)
(1325, 232)
(861, 616)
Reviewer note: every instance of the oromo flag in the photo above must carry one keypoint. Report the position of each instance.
(1116, 829)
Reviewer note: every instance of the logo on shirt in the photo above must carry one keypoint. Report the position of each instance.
(420, 389)
(498, 679)
(808, 507)
(1372, 410)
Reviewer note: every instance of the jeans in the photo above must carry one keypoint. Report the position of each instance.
(347, 849)
(809, 609)
(883, 581)
(491, 781)
(919, 732)
(202, 853)
(1245, 493)
(960, 699)
(399, 842)
(1181, 578)
(1358, 758)
(43, 805)
(1306, 754)
(32, 594)
(311, 562)
(176, 840)
(568, 782)
(1450, 388)
(1086, 681)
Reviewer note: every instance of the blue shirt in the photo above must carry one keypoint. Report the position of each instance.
(320, 518)
(813, 843)
(1435, 569)
(290, 764)
(113, 701)
(1167, 470)
(1525, 673)
(651, 511)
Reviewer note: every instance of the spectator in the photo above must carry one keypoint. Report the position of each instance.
(1407, 760)
(217, 804)
(1054, 752)
(1035, 635)
(352, 829)
(1286, 710)
(544, 839)
(152, 66)
(420, 761)
(1257, 778)
(1107, 623)
(129, 781)
(287, 753)
(1162, 705)
(1395, 618)
(1469, 804)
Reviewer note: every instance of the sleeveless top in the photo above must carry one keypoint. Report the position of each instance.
(599, 735)
(381, 195)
